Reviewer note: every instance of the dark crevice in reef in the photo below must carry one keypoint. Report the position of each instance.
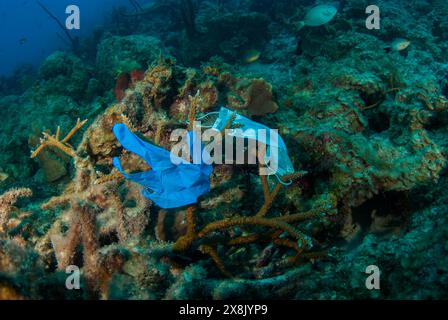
(393, 207)
(108, 239)
(372, 99)
(379, 122)
(309, 185)
(78, 259)
(437, 121)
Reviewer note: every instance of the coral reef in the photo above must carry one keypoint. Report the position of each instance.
(365, 128)
(117, 55)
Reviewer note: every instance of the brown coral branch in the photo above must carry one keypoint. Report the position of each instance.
(229, 123)
(265, 186)
(255, 221)
(53, 141)
(65, 247)
(90, 242)
(58, 201)
(255, 237)
(299, 217)
(243, 240)
(115, 175)
(269, 200)
(216, 259)
(79, 124)
(278, 224)
(83, 231)
(158, 134)
(122, 232)
(194, 106)
(7, 201)
(191, 220)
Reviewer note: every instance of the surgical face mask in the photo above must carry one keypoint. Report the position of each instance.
(276, 157)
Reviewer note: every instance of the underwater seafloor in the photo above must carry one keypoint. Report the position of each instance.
(368, 125)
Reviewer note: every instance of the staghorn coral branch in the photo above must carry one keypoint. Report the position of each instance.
(158, 134)
(115, 175)
(191, 220)
(255, 237)
(289, 244)
(294, 176)
(7, 201)
(269, 199)
(194, 102)
(294, 218)
(255, 221)
(211, 251)
(245, 239)
(53, 141)
(122, 232)
(65, 247)
(279, 224)
(299, 217)
(270, 196)
(58, 201)
(83, 231)
(87, 217)
(229, 123)
(265, 186)
(79, 124)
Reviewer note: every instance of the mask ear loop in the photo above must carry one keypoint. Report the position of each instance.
(286, 184)
(205, 116)
(265, 163)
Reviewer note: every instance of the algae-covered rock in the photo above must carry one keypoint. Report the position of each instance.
(65, 74)
(118, 55)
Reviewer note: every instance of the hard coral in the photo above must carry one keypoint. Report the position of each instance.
(54, 141)
(7, 201)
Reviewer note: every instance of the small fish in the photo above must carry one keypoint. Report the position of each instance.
(22, 41)
(251, 56)
(319, 15)
(398, 45)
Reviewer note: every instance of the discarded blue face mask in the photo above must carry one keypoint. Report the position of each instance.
(169, 185)
(278, 164)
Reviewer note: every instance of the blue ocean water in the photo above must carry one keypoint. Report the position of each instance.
(29, 35)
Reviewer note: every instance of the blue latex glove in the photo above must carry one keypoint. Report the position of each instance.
(167, 184)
